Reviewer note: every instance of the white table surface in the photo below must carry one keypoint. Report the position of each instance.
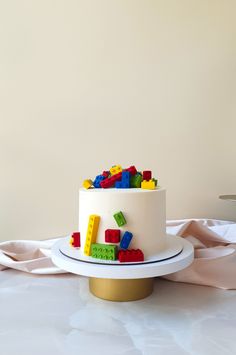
(56, 315)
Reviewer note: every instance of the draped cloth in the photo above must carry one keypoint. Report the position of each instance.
(214, 244)
(214, 262)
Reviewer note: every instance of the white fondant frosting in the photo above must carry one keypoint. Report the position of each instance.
(144, 211)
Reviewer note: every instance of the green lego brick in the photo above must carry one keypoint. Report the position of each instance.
(104, 251)
(135, 180)
(120, 219)
(155, 180)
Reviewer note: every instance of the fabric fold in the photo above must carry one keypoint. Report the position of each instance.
(28, 256)
(214, 244)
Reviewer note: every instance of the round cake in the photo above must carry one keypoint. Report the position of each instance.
(144, 212)
(122, 218)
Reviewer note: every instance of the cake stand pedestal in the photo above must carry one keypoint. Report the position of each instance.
(121, 290)
(123, 282)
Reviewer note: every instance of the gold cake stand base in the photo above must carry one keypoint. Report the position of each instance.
(121, 290)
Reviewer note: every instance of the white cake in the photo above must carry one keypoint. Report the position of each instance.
(144, 211)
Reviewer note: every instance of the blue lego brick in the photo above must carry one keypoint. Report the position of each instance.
(97, 181)
(118, 185)
(125, 181)
(125, 185)
(125, 176)
(126, 239)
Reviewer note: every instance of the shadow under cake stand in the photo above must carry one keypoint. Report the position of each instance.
(115, 281)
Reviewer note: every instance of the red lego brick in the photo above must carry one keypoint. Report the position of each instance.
(112, 236)
(109, 182)
(106, 174)
(76, 239)
(147, 175)
(132, 255)
(132, 170)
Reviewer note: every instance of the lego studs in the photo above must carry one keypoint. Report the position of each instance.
(115, 169)
(104, 251)
(119, 218)
(112, 235)
(126, 239)
(91, 235)
(131, 255)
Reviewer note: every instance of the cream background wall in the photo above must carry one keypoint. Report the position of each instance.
(86, 84)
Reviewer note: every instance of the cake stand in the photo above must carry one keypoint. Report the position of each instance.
(125, 281)
(228, 197)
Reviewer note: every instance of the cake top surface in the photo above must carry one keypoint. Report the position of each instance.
(117, 178)
(115, 190)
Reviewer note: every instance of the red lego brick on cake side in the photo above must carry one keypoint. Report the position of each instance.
(112, 235)
(76, 239)
(130, 255)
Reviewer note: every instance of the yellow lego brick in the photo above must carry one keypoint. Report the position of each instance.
(71, 241)
(148, 185)
(87, 184)
(91, 235)
(115, 169)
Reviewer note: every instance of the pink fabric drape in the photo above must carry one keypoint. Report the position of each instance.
(214, 244)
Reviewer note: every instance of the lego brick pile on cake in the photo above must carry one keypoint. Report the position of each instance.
(119, 178)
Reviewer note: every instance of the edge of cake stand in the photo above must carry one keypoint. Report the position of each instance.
(125, 271)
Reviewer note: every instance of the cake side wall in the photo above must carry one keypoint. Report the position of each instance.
(144, 210)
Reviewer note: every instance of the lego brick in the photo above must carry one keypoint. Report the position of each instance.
(115, 169)
(112, 236)
(119, 218)
(91, 235)
(147, 175)
(123, 185)
(130, 255)
(98, 180)
(120, 185)
(135, 180)
(126, 239)
(110, 181)
(87, 184)
(148, 185)
(104, 251)
(75, 240)
(132, 170)
(155, 181)
(106, 174)
(125, 181)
